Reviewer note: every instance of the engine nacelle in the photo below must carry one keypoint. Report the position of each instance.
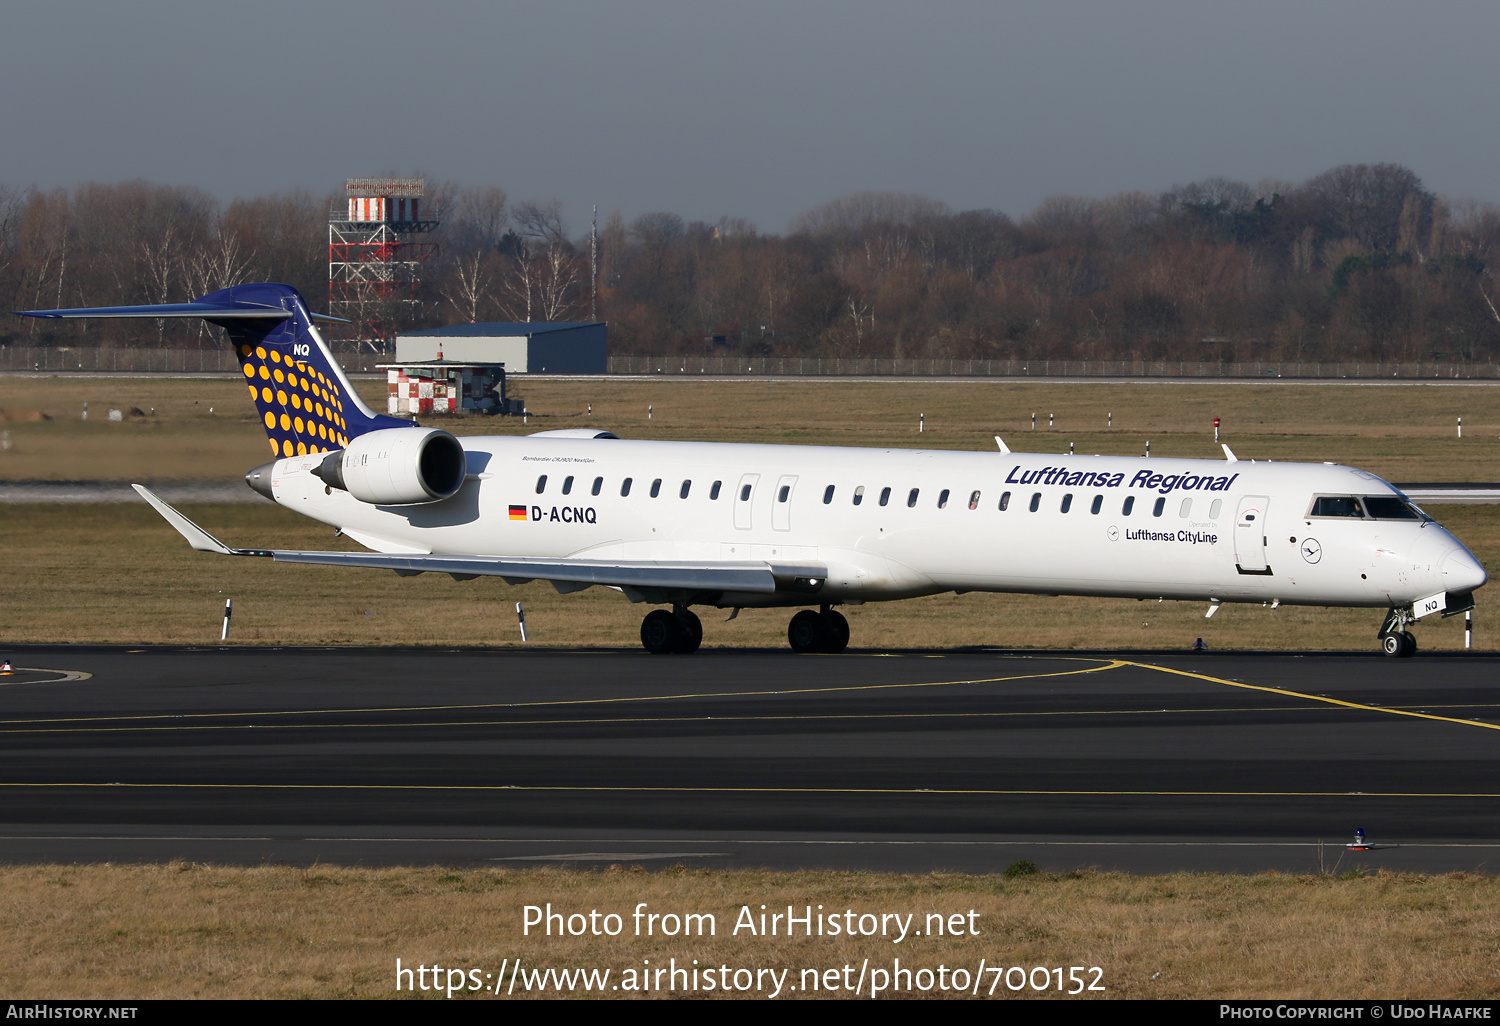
(397, 466)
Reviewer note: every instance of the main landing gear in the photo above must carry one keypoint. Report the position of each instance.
(1395, 639)
(678, 630)
(823, 631)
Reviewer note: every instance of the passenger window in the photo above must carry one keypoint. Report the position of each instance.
(745, 494)
(1187, 507)
(1067, 502)
(827, 495)
(1129, 505)
(911, 498)
(713, 493)
(786, 490)
(625, 486)
(686, 485)
(1004, 501)
(568, 485)
(1214, 507)
(541, 484)
(974, 501)
(598, 484)
(942, 499)
(655, 488)
(1036, 501)
(1161, 504)
(1337, 506)
(1097, 506)
(885, 496)
(859, 495)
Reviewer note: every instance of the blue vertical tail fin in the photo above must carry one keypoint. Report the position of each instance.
(304, 399)
(302, 395)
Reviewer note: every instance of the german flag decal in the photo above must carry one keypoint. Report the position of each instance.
(518, 512)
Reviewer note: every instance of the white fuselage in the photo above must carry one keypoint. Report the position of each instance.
(1234, 531)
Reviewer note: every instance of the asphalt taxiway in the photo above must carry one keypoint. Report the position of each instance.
(914, 761)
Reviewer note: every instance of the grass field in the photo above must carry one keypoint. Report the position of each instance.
(185, 930)
(118, 574)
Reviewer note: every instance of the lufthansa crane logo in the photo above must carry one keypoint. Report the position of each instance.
(1311, 550)
(1113, 532)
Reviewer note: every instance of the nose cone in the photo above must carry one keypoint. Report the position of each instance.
(260, 480)
(1462, 572)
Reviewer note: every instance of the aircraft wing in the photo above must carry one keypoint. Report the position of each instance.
(657, 581)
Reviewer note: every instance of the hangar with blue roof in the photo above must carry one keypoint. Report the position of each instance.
(557, 347)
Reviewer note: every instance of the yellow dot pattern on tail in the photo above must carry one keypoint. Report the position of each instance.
(305, 414)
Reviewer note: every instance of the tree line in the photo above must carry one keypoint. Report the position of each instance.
(1359, 262)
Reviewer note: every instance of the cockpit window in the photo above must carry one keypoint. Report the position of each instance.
(1389, 507)
(1337, 506)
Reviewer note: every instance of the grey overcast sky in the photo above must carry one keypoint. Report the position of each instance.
(757, 110)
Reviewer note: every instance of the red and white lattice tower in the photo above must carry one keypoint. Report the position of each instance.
(376, 257)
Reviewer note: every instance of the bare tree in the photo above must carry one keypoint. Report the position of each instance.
(859, 312)
(479, 218)
(473, 283)
(218, 264)
(163, 267)
(541, 221)
(556, 283)
(519, 283)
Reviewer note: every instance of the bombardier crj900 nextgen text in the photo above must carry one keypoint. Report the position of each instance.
(683, 524)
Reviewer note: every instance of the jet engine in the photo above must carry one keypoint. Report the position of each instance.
(397, 466)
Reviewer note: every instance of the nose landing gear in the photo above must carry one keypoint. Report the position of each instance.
(824, 631)
(676, 631)
(1395, 640)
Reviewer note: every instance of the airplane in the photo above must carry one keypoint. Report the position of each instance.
(745, 525)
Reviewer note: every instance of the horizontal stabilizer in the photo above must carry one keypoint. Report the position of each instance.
(235, 311)
(209, 311)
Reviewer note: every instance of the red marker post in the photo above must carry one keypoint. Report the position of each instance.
(1216, 430)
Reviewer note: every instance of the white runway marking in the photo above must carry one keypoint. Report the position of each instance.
(63, 676)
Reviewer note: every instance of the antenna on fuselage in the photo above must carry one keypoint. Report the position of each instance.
(1229, 453)
(1001, 443)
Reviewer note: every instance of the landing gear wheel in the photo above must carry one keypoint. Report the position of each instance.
(660, 632)
(689, 632)
(807, 632)
(1408, 644)
(838, 631)
(1392, 644)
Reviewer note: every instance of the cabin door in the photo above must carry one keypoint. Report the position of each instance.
(1250, 535)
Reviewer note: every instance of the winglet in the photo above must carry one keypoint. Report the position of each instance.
(196, 536)
(1229, 453)
(1001, 443)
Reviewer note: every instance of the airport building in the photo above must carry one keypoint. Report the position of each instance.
(463, 368)
(522, 347)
